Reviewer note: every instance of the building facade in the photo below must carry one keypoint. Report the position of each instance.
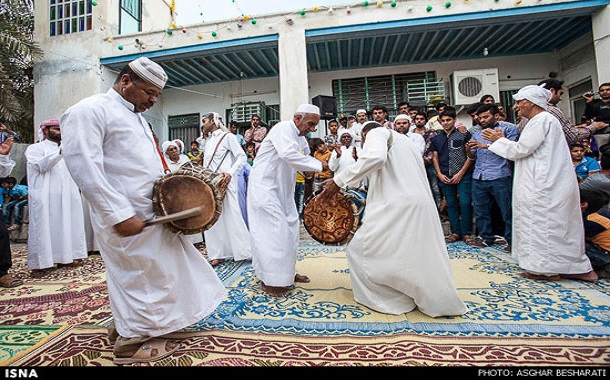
(358, 56)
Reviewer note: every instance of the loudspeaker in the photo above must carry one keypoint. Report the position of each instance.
(327, 105)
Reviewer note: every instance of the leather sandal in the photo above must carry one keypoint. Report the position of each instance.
(8, 281)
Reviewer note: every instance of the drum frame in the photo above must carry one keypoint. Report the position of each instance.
(326, 237)
(209, 183)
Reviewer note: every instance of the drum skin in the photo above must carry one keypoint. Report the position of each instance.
(189, 186)
(334, 222)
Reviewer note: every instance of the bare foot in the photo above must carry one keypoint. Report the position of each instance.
(301, 278)
(590, 276)
(531, 276)
(275, 291)
(215, 262)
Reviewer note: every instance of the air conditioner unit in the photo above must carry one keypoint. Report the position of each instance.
(470, 85)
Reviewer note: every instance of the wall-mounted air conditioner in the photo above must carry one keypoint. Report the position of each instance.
(470, 85)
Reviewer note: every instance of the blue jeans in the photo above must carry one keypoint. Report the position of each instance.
(599, 257)
(459, 205)
(433, 181)
(483, 195)
(16, 205)
(299, 194)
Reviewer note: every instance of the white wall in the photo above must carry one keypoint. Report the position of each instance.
(70, 70)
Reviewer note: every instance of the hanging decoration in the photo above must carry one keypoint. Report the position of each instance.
(240, 22)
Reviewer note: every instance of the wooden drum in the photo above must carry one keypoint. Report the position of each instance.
(189, 186)
(335, 222)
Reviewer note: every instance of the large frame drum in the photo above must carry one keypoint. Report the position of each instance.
(335, 222)
(189, 186)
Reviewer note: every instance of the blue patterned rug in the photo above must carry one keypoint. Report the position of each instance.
(500, 302)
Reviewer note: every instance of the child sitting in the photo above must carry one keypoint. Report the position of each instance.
(15, 199)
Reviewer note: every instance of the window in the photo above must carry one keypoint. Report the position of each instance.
(578, 102)
(507, 101)
(130, 16)
(69, 16)
(387, 90)
(184, 127)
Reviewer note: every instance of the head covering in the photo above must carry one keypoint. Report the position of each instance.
(538, 95)
(361, 111)
(180, 143)
(43, 125)
(167, 144)
(343, 131)
(217, 120)
(149, 71)
(401, 116)
(342, 116)
(308, 108)
(351, 117)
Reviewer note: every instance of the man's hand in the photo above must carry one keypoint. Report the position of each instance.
(330, 189)
(226, 179)
(6, 146)
(129, 227)
(492, 134)
(324, 165)
(599, 125)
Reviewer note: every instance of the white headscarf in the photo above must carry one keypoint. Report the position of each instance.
(343, 131)
(167, 144)
(538, 95)
(217, 120)
(45, 124)
(179, 143)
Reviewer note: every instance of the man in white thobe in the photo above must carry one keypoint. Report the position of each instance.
(345, 153)
(402, 123)
(158, 282)
(397, 259)
(229, 237)
(272, 211)
(56, 232)
(548, 233)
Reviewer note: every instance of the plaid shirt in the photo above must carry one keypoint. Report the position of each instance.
(571, 132)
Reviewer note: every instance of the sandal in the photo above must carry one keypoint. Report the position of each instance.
(452, 238)
(8, 281)
(150, 351)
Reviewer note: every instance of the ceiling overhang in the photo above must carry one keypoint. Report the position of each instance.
(514, 31)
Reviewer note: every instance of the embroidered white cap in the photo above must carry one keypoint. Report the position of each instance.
(149, 71)
(361, 111)
(309, 108)
(401, 116)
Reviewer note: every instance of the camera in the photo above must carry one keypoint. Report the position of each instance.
(589, 94)
(6, 135)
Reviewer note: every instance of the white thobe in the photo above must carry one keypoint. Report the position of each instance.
(397, 258)
(548, 233)
(56, 232)
(229, 237)
(419, 141)
(158, 282)
(357, 129)
(272, 212)
(173, 166)
(336, 164)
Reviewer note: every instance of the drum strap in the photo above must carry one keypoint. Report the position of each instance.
(215, 149)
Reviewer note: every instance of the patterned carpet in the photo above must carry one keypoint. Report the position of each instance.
(59, 319)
